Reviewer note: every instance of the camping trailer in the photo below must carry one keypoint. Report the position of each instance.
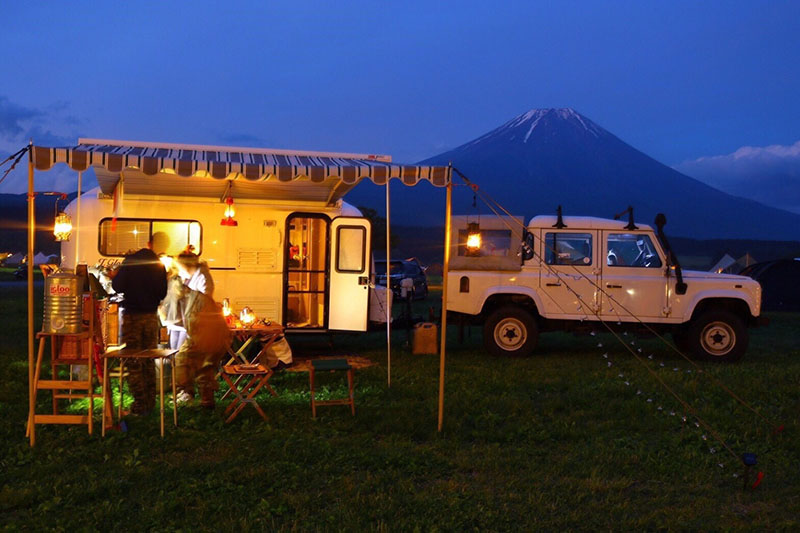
(293, 252)
(303, 266)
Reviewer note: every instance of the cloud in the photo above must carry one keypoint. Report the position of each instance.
(14, 118)
(767, 174)
(46, 137)
(48, 125)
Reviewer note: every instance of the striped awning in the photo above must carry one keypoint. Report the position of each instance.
(222, 163)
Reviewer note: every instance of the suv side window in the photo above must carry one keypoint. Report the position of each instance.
(632, 250)
(568, 249)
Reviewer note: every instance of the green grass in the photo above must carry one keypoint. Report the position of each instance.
(7, 274)
(551, 442)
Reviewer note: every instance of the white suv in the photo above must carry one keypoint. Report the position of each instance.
(577, 271)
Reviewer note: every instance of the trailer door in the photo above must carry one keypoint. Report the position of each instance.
(349, 274)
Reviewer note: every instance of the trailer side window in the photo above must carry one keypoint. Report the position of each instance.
(129, 235)
(351, 253)
(568, 249)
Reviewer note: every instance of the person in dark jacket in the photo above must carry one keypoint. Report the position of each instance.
(142, 279)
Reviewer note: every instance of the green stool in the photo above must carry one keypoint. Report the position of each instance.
(331, 365)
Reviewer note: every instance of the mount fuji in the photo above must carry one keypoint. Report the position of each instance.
(549, 157)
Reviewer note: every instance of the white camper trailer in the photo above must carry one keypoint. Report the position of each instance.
(304, 266)
(294, 252)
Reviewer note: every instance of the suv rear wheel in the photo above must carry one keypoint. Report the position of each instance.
(718, 336)
(510, 330)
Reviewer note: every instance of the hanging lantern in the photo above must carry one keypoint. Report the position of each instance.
(62, 228)
(230, 212)
(247, 316)
(473, 238)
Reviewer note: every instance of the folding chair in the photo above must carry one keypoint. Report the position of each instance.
(331, 365)
(259, 376)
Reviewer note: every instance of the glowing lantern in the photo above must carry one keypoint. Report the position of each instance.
(473, 238)
(62, 227)
(227, 313)
(230, 212)
(247, 316)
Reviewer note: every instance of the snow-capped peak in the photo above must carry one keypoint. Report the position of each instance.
(522, 126)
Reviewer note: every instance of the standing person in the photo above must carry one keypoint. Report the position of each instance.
(143, 281)
(207, 333)
(171, 309)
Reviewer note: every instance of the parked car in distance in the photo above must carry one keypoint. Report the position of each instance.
(400, 270)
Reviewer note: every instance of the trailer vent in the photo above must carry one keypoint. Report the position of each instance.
(264, 308)
(257, 259)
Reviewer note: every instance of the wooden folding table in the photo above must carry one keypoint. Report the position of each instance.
(267, 335)
(132, 353)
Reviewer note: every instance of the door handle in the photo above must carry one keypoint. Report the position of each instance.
(610, 286)
(363, 280)
(554, 284)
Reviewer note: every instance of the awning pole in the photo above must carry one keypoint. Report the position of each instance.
(31, 237)
(445, 272)
(78, 223)
(388, 293)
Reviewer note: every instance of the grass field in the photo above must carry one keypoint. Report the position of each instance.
(7, 274)
(556, 441)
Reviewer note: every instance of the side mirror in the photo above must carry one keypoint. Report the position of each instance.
(527, 246)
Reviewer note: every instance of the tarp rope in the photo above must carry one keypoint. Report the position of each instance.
(777, 428)
(494, 206)
(16, 156)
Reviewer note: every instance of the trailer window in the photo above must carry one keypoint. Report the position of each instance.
(351, 248)
(568, 249)
(129, 235)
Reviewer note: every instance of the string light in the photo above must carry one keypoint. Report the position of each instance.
(661, 365)
(660, 409)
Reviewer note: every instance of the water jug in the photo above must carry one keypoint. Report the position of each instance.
(63, 304)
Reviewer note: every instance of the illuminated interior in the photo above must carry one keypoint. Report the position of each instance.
(305, 274)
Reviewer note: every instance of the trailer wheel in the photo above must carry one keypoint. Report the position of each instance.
(510, 330)
(718, 336)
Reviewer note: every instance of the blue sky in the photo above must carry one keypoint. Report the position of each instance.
(677, 80)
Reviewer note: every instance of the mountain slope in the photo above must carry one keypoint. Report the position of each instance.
(549, 157)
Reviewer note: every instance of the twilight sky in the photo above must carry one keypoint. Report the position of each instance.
(679, 80)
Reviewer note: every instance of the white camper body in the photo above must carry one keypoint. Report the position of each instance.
(302, 265)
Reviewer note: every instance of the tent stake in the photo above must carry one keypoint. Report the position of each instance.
(445, 271)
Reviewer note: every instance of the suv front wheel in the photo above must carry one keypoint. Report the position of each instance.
(718, 336)
(510, 330)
